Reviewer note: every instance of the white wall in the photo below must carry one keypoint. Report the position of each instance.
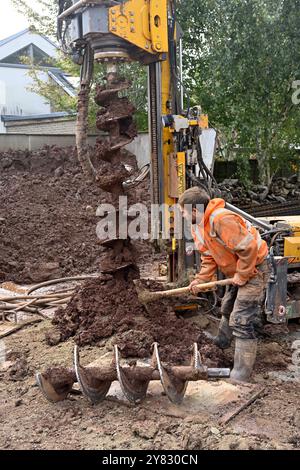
(15, 99)
(42, 127)
(140, 147)
(2, 100)
(35, 142)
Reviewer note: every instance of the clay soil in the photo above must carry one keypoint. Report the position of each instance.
(28, 421)
(48, 216)
(109, 307)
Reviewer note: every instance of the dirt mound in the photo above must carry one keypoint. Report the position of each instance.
(109, 306)
(48, 215)
(44, 161)
(281, 191)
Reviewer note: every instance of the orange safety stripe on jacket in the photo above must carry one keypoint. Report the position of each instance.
(228, 242)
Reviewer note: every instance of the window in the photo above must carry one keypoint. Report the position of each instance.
(31, 52)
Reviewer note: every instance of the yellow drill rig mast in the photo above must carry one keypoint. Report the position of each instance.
(146, 31)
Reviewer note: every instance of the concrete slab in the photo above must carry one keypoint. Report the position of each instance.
(292, 375)
(203, 399)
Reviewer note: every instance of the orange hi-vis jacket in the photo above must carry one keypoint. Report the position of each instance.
(228, 242)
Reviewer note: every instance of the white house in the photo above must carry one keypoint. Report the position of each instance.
(16, 101)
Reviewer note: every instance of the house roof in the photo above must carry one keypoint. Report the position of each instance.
(21, 33)
(55, 74)
(35, 117)
(14, 36)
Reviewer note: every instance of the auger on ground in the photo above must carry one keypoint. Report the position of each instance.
(96, 379)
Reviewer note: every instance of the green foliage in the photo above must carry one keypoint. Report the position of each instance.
(240, 60)
(60, 101)
(243, 172)
(42, 17)
(42, 85)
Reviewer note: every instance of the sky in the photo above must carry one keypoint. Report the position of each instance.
(11, 21)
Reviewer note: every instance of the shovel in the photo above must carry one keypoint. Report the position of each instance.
(146, 297)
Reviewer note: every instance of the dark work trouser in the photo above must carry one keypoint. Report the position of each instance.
(243, 306)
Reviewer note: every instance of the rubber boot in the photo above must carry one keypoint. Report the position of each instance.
(224, 337)
(244, 359)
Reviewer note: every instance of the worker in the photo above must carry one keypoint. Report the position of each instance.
(229, 243)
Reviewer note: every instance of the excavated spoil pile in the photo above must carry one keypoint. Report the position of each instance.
(109, 307)
(48, 215)
(281, 191)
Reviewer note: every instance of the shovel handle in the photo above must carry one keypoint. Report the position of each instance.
(212, 285)
(199, 288)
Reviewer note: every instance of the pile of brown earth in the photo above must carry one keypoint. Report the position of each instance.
(109, 307)
(48, 215)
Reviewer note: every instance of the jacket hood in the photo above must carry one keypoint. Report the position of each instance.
(212, 206)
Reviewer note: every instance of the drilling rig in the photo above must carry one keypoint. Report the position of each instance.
(182, 145)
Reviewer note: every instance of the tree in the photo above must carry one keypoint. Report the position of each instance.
(42, 15)
(241, 58)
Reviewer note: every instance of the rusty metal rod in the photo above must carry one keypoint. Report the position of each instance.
(230, 416)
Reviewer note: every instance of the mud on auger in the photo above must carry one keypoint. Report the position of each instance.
(95, 380)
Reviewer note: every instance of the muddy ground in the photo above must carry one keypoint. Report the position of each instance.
(28, 421)
(47, 229)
